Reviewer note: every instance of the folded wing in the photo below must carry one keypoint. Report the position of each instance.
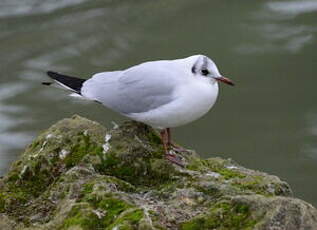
(136, 90)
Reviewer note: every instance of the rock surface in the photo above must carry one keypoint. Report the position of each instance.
(79, 176)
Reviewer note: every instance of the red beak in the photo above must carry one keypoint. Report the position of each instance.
(225, 80)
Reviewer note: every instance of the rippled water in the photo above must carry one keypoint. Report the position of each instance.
(267, 122)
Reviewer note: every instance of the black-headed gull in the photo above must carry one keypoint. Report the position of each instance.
(163, 94)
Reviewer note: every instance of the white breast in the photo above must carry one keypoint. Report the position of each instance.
(191, 101)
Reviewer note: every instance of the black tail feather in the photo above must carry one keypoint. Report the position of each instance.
(47, 83)
(73, 83)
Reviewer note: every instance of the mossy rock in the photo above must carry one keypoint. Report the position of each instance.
(77, 175)
(135, 154)
(224, 215)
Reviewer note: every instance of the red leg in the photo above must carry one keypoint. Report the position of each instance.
(166, 139)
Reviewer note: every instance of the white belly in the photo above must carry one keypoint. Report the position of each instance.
(191, 102)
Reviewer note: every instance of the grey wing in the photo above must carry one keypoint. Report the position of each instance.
(136, 90)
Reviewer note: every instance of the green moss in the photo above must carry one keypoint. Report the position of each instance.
(31, 176)
(98, 186)
(210, 191)
(80, 216)
(229, 173)
(215, 165)
(113, 208)
(197, 224)
(251, 183)
(34, 145)
(224, 216)
(88, 188)
(83, 214)
(135, 156)
(2, 202)
(113, 165)
(154, 139)
(11, 200)
(81, 147)
(137, 170)
(128, 221)
(12, 177)
(254, 184)
(196, 164)
(20, 189)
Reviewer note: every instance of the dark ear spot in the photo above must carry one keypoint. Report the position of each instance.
(194, 69)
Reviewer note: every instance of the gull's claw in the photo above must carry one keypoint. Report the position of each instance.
(177, 148)
(174, 159)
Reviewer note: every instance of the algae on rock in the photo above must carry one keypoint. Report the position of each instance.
(79, 176)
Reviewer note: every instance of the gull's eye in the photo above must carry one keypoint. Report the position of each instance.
(204, 72)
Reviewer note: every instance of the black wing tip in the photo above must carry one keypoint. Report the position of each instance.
(69, 82)
(51, 73)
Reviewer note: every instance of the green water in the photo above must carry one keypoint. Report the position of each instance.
(267, 122)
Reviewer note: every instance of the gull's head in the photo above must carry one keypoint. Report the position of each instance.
(203, 66)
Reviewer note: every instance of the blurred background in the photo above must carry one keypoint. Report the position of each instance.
(267, 122)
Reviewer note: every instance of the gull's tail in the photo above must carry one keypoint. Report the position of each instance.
(73, 84)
